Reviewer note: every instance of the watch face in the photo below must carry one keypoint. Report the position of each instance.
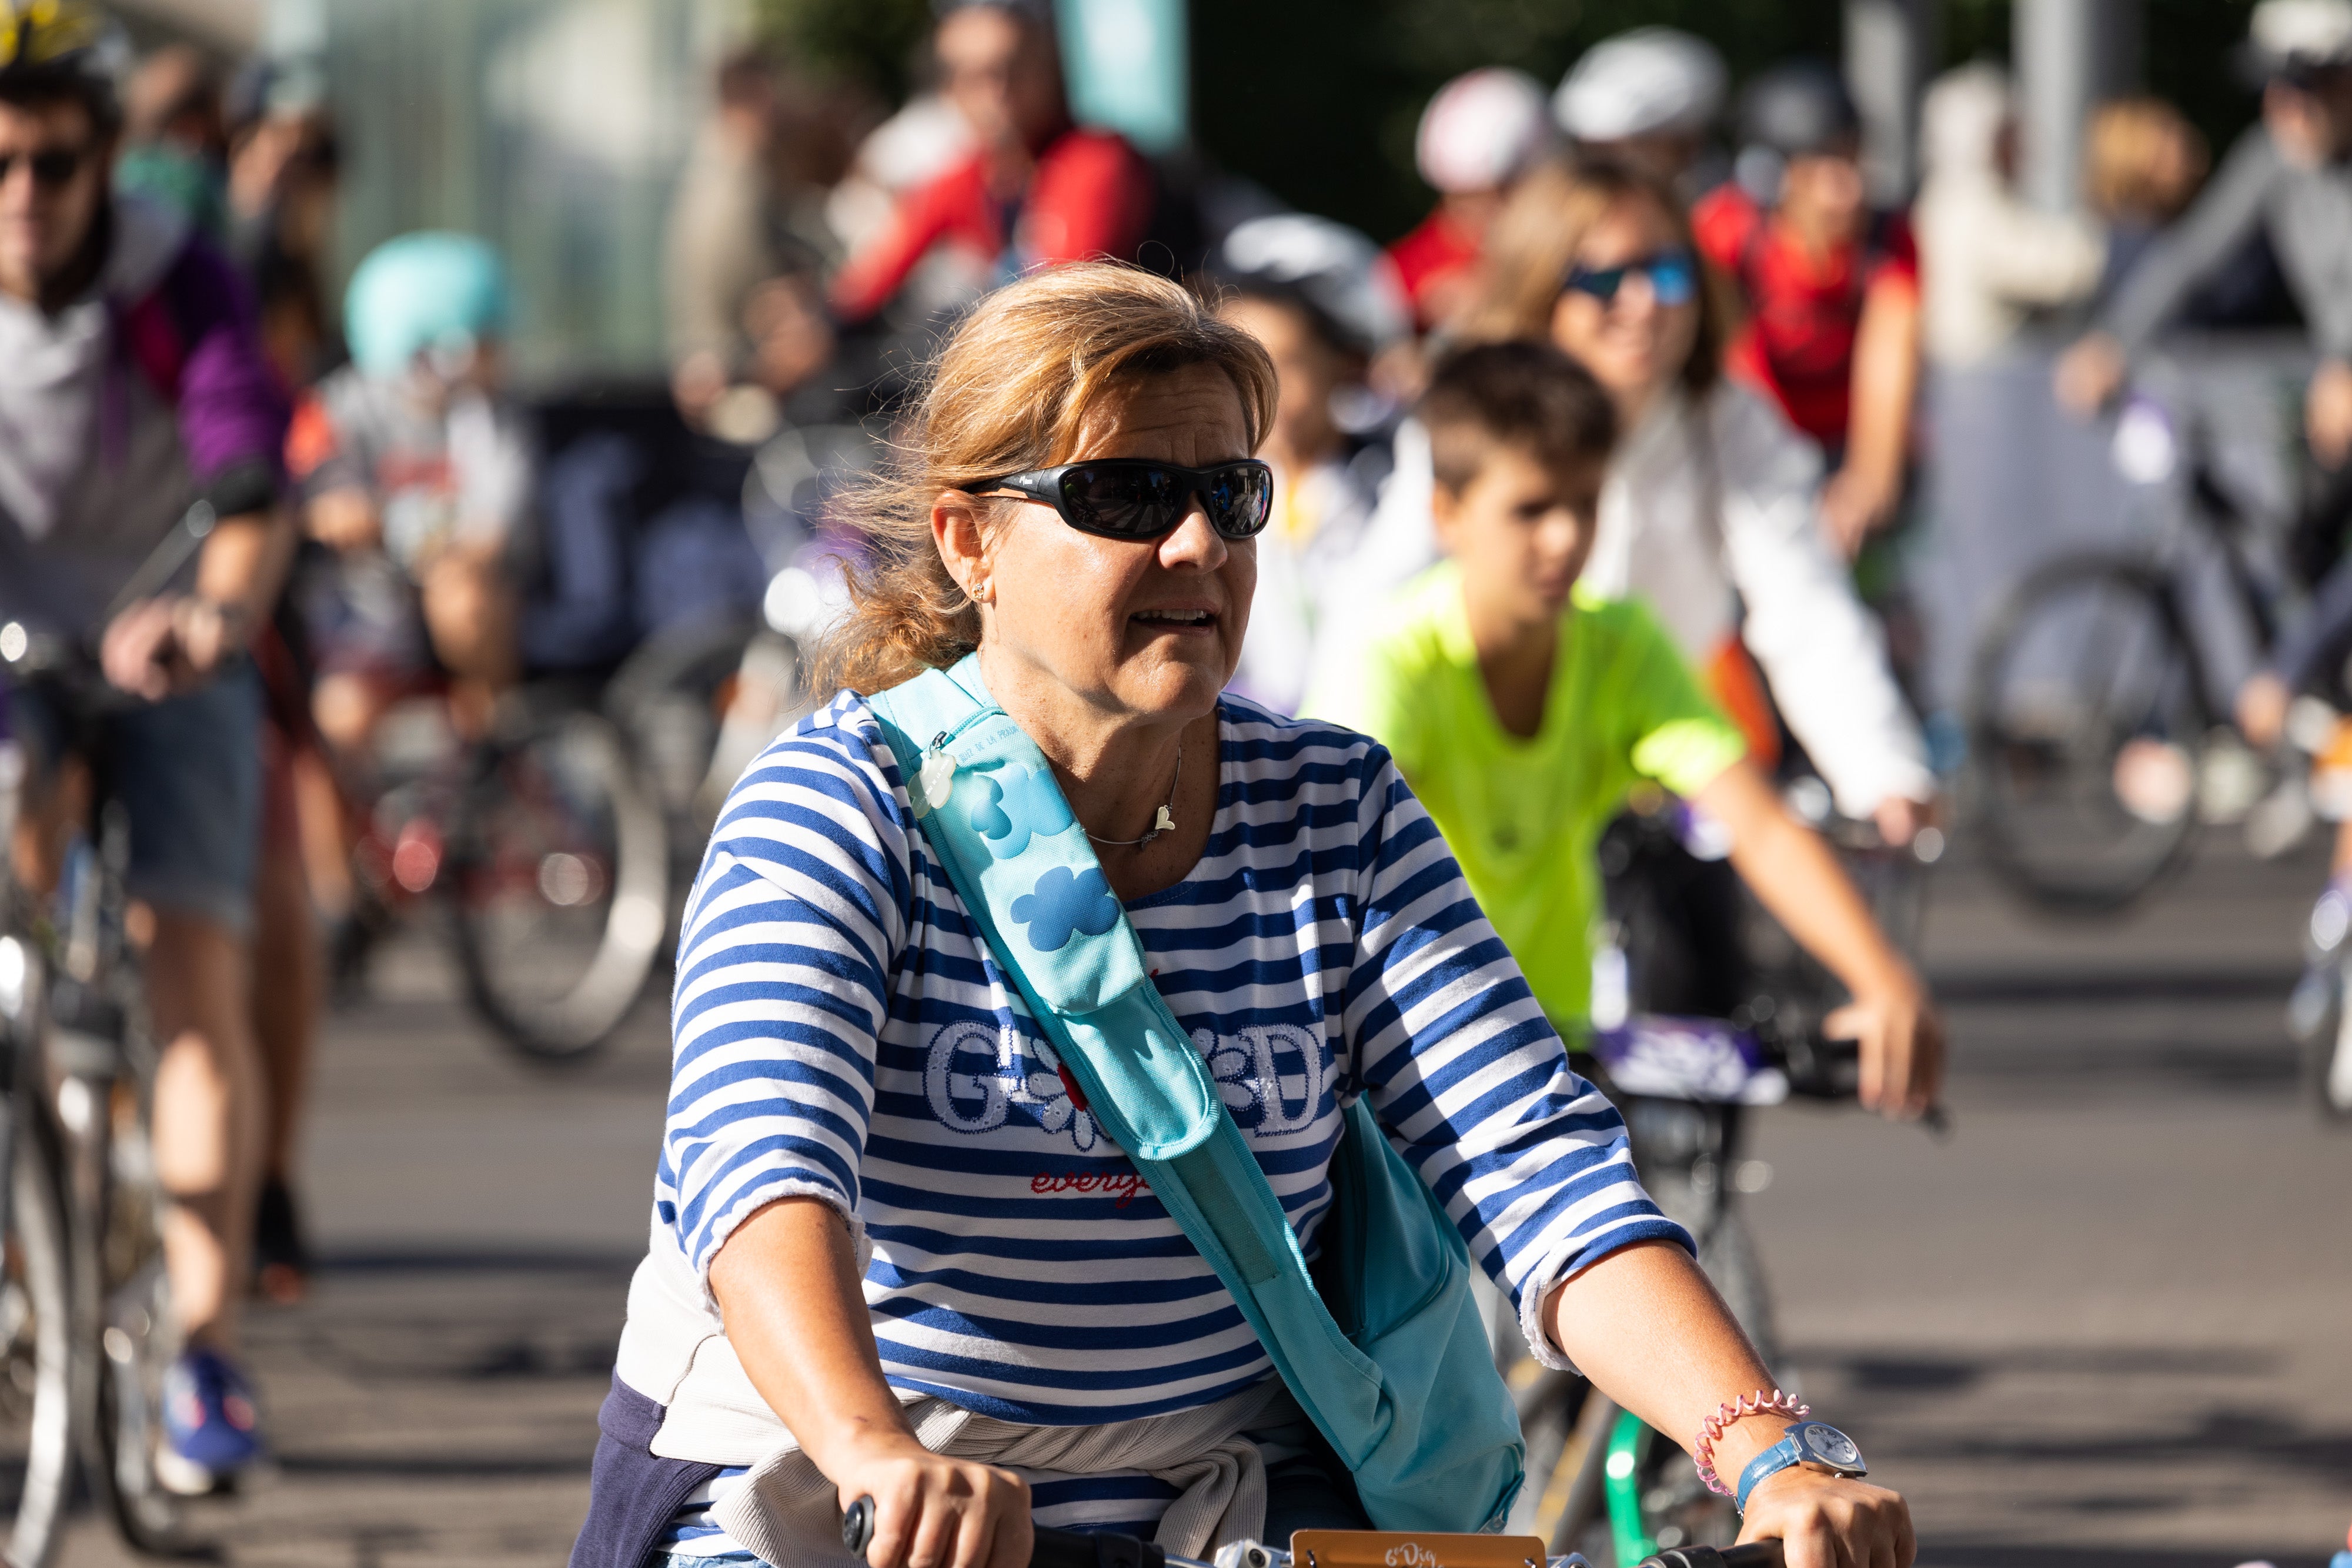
(1826, 1445)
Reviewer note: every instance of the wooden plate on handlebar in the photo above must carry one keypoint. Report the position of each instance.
(1396, 1549)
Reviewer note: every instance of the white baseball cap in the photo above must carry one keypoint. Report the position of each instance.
(1641, 83)
(1481, 129)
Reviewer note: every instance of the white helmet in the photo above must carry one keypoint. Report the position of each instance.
(1650, 81)
(1337, 272)
(2286, 35)
(1481, 129)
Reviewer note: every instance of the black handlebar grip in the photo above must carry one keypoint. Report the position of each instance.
(1054, 1548)
(1760, 1555)
(857, 1527)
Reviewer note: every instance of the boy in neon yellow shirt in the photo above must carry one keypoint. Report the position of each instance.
(1522, 712)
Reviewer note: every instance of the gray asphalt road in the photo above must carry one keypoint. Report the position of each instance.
(2107, 1322)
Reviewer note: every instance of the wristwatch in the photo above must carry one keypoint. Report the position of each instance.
(1816, 1445)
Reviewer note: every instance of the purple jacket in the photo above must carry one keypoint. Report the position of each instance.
(149, 393)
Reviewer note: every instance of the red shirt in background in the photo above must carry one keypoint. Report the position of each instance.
(1797, 345)
(1090, 194)
(1437, 259)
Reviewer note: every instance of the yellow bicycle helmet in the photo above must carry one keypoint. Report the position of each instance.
(52, 48)
(60, 35)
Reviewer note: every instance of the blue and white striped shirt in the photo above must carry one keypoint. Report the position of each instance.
(841, 1031)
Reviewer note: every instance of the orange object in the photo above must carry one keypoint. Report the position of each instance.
(1737, 686)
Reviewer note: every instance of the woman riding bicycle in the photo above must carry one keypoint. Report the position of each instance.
(884, 1205)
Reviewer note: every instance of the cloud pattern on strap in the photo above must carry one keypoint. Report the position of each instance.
(1015, 804)
(1065, 902)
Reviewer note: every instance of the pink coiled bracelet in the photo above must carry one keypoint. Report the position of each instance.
(1754, 1404)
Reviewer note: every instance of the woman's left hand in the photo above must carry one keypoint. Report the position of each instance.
(1829, 1521)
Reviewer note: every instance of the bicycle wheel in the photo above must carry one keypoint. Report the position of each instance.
(559, 872)
(1655, 1499)
(37, 1375)
(2087, 723)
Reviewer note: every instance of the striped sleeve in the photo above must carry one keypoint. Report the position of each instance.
(783, 984)
(1471, 1081)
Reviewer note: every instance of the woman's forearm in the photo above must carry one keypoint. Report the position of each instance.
(1797, 879)
(1650, 1333)
(788, 1288)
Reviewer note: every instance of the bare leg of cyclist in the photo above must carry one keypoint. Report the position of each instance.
(286, 1000)
(210, 1098)
(470, 615)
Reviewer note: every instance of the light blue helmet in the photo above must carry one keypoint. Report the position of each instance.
(424, 290)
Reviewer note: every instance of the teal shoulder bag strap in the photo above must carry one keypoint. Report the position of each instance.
(1395, 1371)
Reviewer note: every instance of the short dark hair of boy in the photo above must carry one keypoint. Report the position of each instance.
(1523, 394)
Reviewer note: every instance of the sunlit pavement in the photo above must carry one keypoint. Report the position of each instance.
(2106, 1322)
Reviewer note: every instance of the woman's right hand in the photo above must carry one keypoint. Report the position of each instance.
(933, 1511)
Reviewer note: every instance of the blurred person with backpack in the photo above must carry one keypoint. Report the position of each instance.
(1324, 302)
(1831, 290)
(1036, 189)
(1479, 133)
(417, 473)
(131, 385)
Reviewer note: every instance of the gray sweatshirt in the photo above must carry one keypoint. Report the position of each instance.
(2308, 214)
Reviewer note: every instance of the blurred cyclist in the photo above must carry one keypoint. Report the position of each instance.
(1323, 301)
(1648, 99)
(1522, 708)
(1035, 190)
(418, 473)
(1478, 134)
(132, 383)
(2290, 178)
(1831, 290)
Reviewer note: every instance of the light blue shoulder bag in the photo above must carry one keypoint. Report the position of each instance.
(1395, 1371)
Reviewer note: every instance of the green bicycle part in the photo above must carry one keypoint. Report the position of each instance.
(1621, 1472)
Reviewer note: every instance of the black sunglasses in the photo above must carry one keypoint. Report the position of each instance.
(52, 166)
(1136, 498)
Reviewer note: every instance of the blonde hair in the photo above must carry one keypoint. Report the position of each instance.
(1534, 240)
(2129, 168)
(1007, 392)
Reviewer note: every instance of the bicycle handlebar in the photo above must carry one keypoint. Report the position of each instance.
(1052, 1548)
(1078, 1549)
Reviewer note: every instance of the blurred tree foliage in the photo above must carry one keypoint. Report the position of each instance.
(1317, 99)
(876, 44)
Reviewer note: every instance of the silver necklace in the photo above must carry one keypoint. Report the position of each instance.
(1162, 823)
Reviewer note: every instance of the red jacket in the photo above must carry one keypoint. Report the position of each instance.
(1090, 194)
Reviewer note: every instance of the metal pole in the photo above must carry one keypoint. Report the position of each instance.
(2070, 55)
(1889, 47)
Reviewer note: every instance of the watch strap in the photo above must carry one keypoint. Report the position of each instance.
(1769, 1463)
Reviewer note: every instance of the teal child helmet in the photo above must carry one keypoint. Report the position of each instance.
(421, 291)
